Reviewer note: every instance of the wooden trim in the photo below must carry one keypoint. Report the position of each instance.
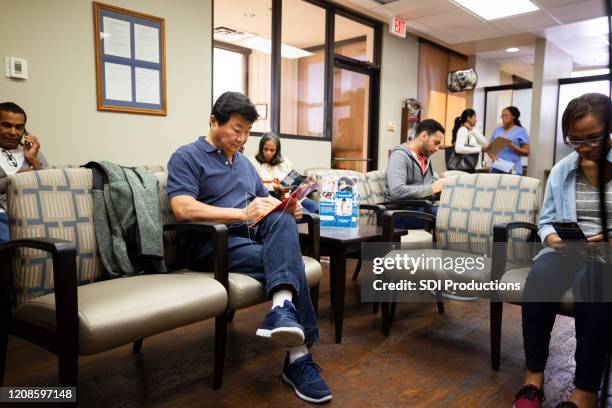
(98, 55)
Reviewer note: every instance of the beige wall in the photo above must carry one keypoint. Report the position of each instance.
(488, 75)
(56, 37)
(551, 63)
(304, 154)
(398, 81)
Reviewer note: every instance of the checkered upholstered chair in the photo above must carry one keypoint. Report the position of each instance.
(476, 210)
(62, 300)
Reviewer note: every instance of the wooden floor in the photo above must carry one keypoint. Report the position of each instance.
(428, 360)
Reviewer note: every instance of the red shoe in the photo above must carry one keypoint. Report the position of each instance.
(529, 396)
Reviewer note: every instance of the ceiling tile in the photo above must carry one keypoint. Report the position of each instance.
(553, 3)
(415, 25)
(420, 8)
(526, 22)
(385, 11)
(579, 11)
(452, 19)
(474, 33)
(366, 3)
(448, 39)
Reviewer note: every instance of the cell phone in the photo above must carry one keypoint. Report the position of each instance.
(569, 231)
(27, 145)
(292, 179)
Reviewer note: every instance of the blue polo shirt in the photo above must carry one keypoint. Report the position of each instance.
(519, 137)
(200, 170)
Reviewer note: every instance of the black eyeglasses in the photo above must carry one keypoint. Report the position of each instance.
(11, 159)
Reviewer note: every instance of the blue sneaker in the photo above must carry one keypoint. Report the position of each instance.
(281, 325)
(303, 375)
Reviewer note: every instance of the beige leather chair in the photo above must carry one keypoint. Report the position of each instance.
(243, 290)
(62, 301)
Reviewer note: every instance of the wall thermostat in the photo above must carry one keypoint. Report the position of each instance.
(16, 68)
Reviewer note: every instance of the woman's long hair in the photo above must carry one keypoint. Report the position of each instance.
(516, 113)
(460, 120)
(277, 158)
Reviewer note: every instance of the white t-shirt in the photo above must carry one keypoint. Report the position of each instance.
(269, 173)
(7, 164)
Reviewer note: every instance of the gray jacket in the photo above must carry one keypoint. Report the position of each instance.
(4, 177)
(127, 219)
(404, 178)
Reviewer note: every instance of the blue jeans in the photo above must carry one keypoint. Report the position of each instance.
(4, 230)
(272, 255)
(549, 278)
(310, 205)
(413, 222)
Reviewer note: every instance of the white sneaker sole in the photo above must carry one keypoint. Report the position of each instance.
(304, 397)
(287, 336)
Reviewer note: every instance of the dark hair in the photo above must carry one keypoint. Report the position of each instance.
(514, 112)
(430, 126)
(460, 120)
(13, 108)
(233, 102)
(277, 158)
(594, 104)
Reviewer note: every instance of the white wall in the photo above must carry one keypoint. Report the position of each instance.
(56, 37)
(551, 63)
(488, 75)
(398, 81)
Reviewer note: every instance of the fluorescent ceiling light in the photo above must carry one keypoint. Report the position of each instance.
(491, 10)
(257, 43)
(512, 49)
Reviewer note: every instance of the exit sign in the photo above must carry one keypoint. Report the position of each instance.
(397, 26)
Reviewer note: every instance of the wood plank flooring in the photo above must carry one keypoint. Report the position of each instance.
(428, 360)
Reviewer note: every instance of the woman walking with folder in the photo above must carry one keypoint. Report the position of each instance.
(509, 159)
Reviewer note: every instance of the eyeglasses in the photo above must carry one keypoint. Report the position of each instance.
(11, 159)
(577, 144)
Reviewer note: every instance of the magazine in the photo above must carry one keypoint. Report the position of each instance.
(308, 186)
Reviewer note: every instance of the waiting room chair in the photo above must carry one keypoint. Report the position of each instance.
(471, 213)
(243, 290)
(61, 299)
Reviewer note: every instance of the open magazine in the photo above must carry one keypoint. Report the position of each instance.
(308, 186)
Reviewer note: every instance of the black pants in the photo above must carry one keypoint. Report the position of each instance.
(550, 277)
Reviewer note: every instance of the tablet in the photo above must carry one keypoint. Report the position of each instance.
(569, 231)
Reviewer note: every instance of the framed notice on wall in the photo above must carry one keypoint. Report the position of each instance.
(130, 61)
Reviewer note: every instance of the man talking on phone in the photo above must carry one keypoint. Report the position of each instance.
(19, 152)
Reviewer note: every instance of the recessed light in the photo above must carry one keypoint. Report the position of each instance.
(491, 10)
(512, 49)
(249, 15)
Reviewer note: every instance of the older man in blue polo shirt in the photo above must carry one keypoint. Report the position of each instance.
(210, 180)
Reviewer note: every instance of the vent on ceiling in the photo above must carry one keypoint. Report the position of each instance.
(230, 35)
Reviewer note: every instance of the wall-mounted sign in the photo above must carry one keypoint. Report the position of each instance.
(397, 26)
